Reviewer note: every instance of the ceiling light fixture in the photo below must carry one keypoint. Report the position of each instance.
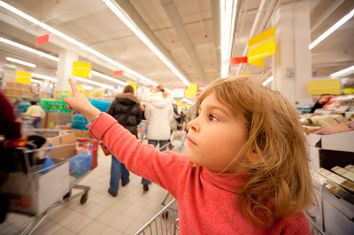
(42, 54)
(28, 49)
(127, 71)
(104, 76)
(343, 72)
(227, 26)
(332, 29)
(17, 61)
(45, 77)
(87, 87)
(188, 101)
(36, 81)
(94, 83)
(267, 81)
(123, 16)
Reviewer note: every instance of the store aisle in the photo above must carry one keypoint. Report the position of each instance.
(102, 214)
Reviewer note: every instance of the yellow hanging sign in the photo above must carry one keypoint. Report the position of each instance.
(261, 46)
(81, 69)
(23, 77)
(191, 90)
(134, 85)
(262, 37)
(324, 86)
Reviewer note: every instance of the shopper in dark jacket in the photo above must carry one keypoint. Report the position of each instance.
(126, 110)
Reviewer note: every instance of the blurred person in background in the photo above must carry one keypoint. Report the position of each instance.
(36, 113)
(126, 110)
(143, 124)
(158, 114)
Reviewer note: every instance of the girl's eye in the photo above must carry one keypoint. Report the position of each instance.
(212, 118)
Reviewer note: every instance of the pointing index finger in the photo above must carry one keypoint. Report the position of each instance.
(74, 89)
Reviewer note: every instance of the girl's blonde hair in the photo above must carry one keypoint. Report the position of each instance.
(278, 183)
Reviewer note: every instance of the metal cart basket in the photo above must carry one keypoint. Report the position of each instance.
(164, 222)
(41, 182)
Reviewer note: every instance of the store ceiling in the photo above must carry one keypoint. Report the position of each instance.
(92, 23)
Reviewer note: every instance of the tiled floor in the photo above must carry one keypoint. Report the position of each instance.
(102, 214)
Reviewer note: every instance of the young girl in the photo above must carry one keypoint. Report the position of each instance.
(245, 170)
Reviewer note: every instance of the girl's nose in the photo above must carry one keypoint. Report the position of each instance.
(193, 125)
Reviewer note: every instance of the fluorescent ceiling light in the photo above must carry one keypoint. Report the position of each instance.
(268, 80)
(127, 71)
(343, 72)
(94, 83)
(36, 81)
(188, 101)
(227, 26)
(122, 15)
(332, 29)
(28, 49)
(101, 75)
(56, 59)
(21, 62)
(87, 87)
(40, 76)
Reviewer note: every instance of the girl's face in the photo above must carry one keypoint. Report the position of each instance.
(215, 136)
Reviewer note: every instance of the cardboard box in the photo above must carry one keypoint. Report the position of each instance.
(343, 141)
(314, 159)
(34, 193)
(60, 147)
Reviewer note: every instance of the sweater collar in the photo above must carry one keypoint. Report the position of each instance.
(227, 182)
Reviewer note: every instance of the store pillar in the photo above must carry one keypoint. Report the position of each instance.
(292, 61)
(65, 69)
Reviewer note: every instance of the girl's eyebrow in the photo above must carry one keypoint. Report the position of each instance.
(212, 107)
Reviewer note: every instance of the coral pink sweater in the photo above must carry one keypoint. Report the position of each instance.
(207, 203)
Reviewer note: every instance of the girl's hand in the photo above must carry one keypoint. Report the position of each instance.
(79, 103)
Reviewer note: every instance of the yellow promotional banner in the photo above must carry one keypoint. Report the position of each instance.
(81, 69)
(262, 37)
(324, 86)
(261, 46)
(191, 90)
(23, 77)
(259, 62)
(348, 91)
(261, 51)
(134, 85)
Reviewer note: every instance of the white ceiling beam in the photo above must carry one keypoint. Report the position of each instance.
(177, 23)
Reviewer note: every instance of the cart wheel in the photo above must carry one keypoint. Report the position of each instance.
(67, 196)
(83, 198)
(165, 215)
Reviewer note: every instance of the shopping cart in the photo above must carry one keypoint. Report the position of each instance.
(37, 182)
(164, 222)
